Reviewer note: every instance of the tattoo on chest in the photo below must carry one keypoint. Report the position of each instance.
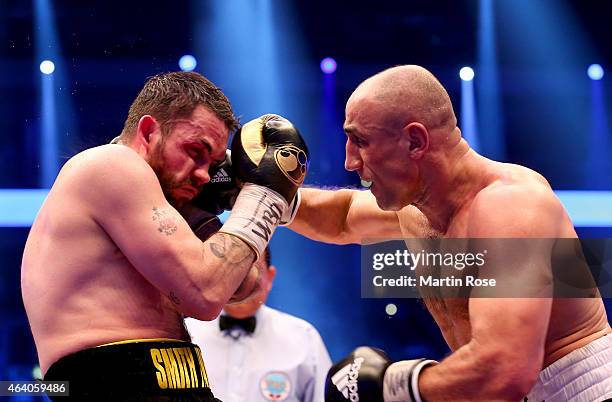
(167, 222)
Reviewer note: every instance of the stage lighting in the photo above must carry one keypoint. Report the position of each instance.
(391, 309)
(595, 72)
(187, 63)
(328, 65)
(47, 67)
(466, 74)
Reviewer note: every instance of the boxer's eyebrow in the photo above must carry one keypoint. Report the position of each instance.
(206, 144)
(351, 131)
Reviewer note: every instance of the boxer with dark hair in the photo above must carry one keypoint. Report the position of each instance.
(111, 267)
(402, 136)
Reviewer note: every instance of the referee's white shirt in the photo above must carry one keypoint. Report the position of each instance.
(285, 359)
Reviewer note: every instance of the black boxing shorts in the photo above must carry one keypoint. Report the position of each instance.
(135, 370)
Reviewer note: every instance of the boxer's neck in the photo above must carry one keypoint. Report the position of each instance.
(451, 182)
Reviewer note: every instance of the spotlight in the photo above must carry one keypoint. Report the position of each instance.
(595, 72)
(391, 309)
(328, 65)
(36, 373)
(47, 67)
(466, 74)
(187, 63)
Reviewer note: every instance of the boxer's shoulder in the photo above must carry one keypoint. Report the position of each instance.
(108, 156)
(103, 176)
(105, 164)
(520, 203)
(515, 184)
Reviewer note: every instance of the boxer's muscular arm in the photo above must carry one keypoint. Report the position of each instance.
(506, 351)
(126, 200)
(344, 216)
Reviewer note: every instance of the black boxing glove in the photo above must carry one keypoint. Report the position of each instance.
(202, 223)
(271, 158)
(220, 193)
(358, 377)
(367, 375)
(269, 151)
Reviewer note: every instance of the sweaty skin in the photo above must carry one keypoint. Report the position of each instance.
(427, 182)
(109, 259)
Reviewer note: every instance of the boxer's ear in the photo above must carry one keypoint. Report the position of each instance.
(147, 125)
(417, 138)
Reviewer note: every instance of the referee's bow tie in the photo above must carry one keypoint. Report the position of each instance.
(247, 324)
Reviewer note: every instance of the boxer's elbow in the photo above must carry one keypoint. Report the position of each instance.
(205, 309)
(202, 303)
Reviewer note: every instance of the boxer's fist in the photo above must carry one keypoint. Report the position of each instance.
(269, 151)
(220, 193)
(358, 377)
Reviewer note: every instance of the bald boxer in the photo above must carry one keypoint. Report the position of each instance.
(402, 136)
(110, 267)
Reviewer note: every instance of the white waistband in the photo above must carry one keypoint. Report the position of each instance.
(583, 375)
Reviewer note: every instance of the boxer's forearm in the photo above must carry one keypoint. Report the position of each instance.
(227, 261)
(214, 275)
(348, 216)
(476, 373)
(322, 215)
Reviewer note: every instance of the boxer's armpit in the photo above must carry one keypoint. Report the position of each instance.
(166, 221)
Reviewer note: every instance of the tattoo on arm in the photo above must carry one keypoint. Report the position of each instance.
(167, 222)
(174, 298)
(229, 248)
(218, 249)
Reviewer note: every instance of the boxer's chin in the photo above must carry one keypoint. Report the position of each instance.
(386, 200)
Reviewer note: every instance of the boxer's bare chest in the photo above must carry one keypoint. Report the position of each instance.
(450, 312)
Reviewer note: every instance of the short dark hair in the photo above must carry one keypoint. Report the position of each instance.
(168, 96)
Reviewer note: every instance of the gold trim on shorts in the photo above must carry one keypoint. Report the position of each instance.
(142, 340)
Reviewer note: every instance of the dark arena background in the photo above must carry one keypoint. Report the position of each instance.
(529, 80)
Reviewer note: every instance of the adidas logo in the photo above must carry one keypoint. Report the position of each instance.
(346, 380)
(221, 177)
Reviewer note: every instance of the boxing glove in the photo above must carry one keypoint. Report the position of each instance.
(220, 193)
(269, 151)
(358, 377)
(271, 158)
(367, 375)
(202, 223)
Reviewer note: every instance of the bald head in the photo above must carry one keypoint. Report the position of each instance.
(408, 94)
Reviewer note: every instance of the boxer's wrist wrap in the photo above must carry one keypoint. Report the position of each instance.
(401, 383)
(256, 214)
(290, 213)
